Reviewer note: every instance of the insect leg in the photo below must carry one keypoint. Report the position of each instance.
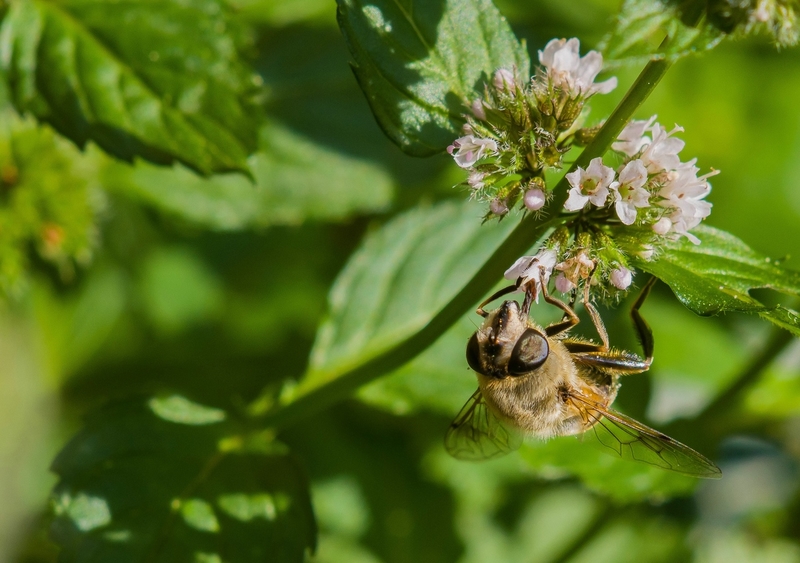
(596, 320)
(500, 293)
(570, 318)
(642, 328)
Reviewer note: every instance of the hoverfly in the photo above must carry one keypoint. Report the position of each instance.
(541, 382)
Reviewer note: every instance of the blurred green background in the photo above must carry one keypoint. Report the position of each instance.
(161, 281)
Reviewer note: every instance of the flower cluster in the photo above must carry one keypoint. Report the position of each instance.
(593, 259)
(651, 188)
(519, 129)
(778, 18)
(651, 198)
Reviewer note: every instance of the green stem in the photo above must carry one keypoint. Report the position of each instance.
(597, 525)
(529, 231)
(777, 341)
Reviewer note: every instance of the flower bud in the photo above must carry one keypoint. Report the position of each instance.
(621, 277)
(534, 199)
(647, 251)
(662, 226)
(478, 110)
(498, 207)
(563, 284)
(586, 135)
(504, 81)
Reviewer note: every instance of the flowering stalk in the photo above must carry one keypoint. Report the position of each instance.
(530, 230)
(516, 132)
(519, 130)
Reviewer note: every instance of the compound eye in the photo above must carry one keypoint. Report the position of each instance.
(474, 354)
(529, 353)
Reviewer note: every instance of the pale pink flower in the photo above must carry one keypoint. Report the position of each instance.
(568, 71)
(533, 269)
(632, 138)
(629, 192)
(590, 185)
(662, 152)
(470, 149)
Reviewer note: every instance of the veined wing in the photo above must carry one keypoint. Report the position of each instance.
(476, 434)
(632, 440)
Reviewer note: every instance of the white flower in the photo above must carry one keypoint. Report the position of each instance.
(469, 149)
(683, 193)
(683, 183)
(568, 71)
(563, 284)
(629, 193)
(633, 138)
(688, 214)
(498, 207)
(533, 269)
(534, 199)
(662, 226)
(662, 152)
(504, 81)
(621, 277)
(589, 185)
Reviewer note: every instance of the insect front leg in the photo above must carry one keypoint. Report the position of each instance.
(498, 294)
(570, 318)
(618, 362)
(595, 316)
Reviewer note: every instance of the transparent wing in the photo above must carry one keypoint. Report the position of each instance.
(633, 440)
(476, 434)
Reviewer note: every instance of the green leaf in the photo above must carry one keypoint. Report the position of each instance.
(178, 290)
(402, 275)
(295, 180)
(717, 275)
(643, 24)
(422, 63)
(438, 380)
(604, 472)
(157, 79)
(171, 480)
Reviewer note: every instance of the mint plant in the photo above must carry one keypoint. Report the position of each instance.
(181, 182)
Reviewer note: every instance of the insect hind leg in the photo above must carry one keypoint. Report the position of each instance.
(643, 330)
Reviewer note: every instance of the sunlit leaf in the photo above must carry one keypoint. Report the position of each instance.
(144, 481)
(178, 290)
(398, 280)
(602, 471)
(642, 25)
(438, 380)
(717, 275)
(158, 79)
(295, 180)
(422, 63)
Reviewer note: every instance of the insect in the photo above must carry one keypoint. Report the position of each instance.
(542, 382)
